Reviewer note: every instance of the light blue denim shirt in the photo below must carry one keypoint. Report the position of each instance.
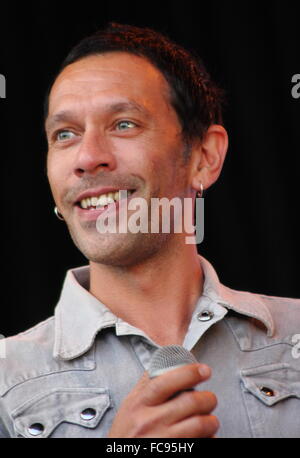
(67, 376)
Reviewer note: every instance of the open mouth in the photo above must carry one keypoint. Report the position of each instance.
(104, 200)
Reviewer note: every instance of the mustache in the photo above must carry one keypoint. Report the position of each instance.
(86, 183)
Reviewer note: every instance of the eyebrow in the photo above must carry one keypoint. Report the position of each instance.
(67, 115)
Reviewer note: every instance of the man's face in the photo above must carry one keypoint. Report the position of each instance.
(118, 131)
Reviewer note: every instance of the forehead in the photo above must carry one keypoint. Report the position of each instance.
(107, 76)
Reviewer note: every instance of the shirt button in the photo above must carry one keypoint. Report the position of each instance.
(267, 391)
(88, 414)
(36, 429)
(205, 315)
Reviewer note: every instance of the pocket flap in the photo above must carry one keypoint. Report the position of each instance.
(272, 382)
(38, 416)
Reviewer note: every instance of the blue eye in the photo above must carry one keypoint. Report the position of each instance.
(123, 125)
(64, 132)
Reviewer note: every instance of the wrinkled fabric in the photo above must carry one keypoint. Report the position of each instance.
(67, 376)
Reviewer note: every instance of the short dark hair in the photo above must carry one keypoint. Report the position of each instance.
(196, 99)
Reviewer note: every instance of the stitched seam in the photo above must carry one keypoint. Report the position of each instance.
(255, 349)
(38, 398)
(46, 374)
(37, 326)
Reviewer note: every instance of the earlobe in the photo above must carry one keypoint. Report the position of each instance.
(200, 192)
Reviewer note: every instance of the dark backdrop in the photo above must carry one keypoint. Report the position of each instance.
(251, 214)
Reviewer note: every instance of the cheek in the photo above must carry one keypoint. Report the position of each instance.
(56, 172)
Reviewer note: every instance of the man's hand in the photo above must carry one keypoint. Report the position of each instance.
(152, 410)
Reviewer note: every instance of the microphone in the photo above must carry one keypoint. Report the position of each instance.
(169, 357)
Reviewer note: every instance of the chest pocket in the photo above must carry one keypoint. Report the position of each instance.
(39, 416)
(272, 399)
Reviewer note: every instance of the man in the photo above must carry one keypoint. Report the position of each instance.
(131, 111)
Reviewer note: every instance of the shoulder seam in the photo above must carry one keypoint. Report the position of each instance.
(33, 328)
(263, 296)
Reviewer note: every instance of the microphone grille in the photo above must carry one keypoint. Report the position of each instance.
(169, 357)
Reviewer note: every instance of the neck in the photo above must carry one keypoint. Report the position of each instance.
(157, 295)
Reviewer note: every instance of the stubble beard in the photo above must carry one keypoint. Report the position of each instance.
(114, 249)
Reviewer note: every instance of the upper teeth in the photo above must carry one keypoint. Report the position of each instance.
(103, 199)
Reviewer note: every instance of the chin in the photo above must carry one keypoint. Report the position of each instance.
(120, 250)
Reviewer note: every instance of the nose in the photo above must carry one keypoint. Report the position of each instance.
(94, 153)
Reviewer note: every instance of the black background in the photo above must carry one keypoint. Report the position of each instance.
(251, 49)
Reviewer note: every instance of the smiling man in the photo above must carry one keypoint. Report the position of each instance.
(131, 112)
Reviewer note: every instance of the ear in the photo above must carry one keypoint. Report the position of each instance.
(208, 157)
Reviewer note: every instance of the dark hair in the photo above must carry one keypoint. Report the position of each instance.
(196, 99)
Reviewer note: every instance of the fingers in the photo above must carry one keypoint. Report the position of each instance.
(188, 404)
(161, 407)
(197, 426)
(163, 387)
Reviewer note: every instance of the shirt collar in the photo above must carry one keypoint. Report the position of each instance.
(79, 316)
(242, 302)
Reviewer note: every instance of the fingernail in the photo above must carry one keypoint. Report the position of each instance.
(204, 370)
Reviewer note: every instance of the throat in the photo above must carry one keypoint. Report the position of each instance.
(161, 327)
